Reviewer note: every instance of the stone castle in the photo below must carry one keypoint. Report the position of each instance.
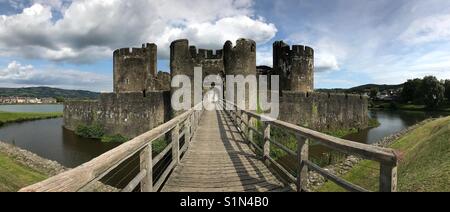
(141, 98)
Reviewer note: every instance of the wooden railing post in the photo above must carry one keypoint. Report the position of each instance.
(302, 170)
(266, 142)
(388, 178)
(250, 131)
(176, 144)
(187, 134)
(245, 125)
(234, 114)
(147, 164)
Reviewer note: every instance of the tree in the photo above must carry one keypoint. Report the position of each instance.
(447, 89)
(433, 92)
(374, 93)
(412, 91)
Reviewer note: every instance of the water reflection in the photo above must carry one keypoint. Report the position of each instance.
(391, 122)
(48, 139)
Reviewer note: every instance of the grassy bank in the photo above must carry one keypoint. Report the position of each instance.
(14, 176)
(424, 163)
(7, 117)
(407, 107)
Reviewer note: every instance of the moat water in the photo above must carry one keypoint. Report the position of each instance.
(48, 138)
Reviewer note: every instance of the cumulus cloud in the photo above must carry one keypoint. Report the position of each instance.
(328, 53)
(26, 75)
(326, 62)
(91, 29)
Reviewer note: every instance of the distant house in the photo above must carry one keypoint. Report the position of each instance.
(27, 100)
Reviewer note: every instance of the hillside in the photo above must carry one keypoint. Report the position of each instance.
(43, 92)
(362, 88)
(424, 164)
(379, 87)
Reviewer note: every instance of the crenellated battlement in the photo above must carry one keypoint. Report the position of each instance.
(283, 50)
(205, 54)
(302, 51)
(144, 51)
(242, 44)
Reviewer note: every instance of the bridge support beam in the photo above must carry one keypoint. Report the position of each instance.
(302, 170)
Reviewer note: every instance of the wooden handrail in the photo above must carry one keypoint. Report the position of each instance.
(386, 157)
(78, 178)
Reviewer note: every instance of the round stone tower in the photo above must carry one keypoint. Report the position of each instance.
(295, 66)
(240, 59)
(135, 69)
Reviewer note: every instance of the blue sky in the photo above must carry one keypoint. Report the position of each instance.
(69, 44)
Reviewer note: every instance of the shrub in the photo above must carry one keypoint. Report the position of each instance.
(90, 131)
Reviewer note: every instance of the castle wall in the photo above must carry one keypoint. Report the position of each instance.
(128, 114)
(162, 81)
(210, 61)
(323, 112)
(135, 69)
(295, 66)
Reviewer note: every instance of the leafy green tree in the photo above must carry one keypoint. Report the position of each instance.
(412, 91)
(59, 99)
(433, 91)
(447, 89)
(374, 93)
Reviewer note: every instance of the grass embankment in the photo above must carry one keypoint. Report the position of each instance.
(408, 107)
(424, 165)
(7, 117)
(14, 176)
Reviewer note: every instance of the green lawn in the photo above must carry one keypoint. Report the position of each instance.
(424, 164)
(14, 176)
(7, 117)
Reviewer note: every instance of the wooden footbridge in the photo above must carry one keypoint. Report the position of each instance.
(218, 151)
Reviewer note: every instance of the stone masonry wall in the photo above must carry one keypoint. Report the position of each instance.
(323, 112)
(135, 69)
(128, 114)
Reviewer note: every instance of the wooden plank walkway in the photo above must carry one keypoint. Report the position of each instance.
(219, 160)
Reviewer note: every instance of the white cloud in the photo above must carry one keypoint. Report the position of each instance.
(326, 62)
(16, 74)
(328, 54)
(428, 29)
(91, 29)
